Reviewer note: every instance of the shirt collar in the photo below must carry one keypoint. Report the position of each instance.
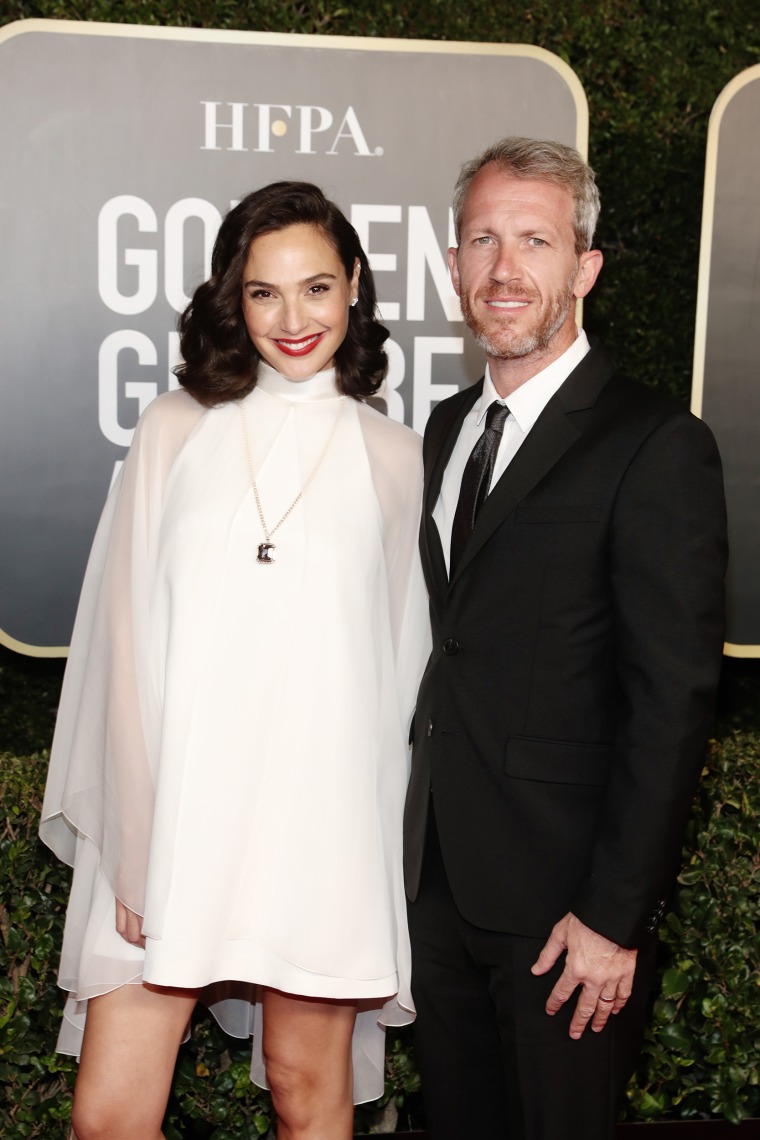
(528, 401)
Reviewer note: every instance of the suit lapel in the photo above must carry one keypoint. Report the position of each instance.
(551, 436)
(439, 446)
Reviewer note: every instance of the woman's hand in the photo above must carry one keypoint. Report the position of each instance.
(129, 925)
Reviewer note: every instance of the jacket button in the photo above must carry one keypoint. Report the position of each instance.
(430, 728)
(450, 647)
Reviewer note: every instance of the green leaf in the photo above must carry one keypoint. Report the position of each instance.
(674, 983)
(675, 1037)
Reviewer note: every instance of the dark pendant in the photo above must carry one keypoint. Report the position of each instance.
(264, 555)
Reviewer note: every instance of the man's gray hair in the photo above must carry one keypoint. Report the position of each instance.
(544, 161)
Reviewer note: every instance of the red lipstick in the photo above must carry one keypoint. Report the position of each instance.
(301, 347)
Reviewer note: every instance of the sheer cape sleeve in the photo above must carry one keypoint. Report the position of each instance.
(102, 767)
(395, 457)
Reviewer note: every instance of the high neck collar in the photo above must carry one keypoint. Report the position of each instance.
(320, 386)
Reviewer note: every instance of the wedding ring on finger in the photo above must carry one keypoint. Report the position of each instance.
(606, 1000)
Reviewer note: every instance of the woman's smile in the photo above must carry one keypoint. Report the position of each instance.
(300, 347)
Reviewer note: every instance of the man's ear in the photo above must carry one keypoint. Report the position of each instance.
(454, 268)
(589, 267)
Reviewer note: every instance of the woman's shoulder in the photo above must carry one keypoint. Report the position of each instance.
(172, 415)
(177, 407)
(392, 433)
(165, 427)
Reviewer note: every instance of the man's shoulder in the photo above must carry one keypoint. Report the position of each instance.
(635, 398)
(447, 410)
(597, 380)
(629, 390)
(617, 388)
(645, 421)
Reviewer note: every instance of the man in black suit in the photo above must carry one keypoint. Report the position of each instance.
(573, 542)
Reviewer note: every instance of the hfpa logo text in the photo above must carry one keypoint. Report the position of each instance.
(230, 126)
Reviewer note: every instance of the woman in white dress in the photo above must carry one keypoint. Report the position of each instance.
(230, 759)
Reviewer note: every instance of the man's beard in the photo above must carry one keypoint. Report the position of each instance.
(504, 345)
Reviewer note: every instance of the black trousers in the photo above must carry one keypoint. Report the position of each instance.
(493, 1064)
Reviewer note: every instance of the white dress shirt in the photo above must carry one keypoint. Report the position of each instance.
(525, 406)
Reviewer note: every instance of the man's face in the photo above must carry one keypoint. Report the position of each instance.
(516, 271)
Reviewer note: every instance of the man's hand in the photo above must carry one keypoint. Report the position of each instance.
(604, 970)
(129, 925)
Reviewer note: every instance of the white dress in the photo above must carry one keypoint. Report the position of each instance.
(231, 755)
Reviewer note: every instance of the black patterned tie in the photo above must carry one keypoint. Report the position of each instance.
(476, 481)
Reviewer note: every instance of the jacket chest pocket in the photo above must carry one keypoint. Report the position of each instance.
(557, 513)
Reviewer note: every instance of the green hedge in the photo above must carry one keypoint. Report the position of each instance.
(35, 1080)
(700, 1058)
(701, 1055)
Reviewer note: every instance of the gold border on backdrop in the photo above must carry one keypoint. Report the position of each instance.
(344, 43)
(32, 650)
(280, 39)
(705, 257)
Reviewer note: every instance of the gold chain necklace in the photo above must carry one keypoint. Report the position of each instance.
(264, 556)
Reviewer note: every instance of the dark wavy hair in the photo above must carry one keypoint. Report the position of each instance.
(220, 362)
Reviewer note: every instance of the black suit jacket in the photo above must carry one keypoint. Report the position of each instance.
(564, 712)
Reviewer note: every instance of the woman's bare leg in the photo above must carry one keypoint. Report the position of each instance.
(307, 1050)
(130, 1046)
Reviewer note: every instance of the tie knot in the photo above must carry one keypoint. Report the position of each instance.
(496, 416)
